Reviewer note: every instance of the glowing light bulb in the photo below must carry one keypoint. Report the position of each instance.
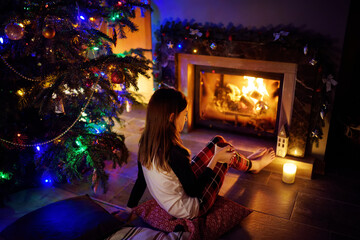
(195, 51)
(20, 92)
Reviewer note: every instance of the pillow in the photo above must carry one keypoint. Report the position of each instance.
(144, 233)
(223, 215)
(74, 218)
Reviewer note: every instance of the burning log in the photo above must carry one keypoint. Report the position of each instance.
(256, 95)
(247, 101)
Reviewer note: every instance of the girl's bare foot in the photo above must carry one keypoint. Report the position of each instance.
(258, 153)
(262, 161)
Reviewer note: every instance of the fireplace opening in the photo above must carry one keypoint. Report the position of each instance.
(237, 100)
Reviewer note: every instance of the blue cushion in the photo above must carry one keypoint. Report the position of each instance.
(73, 218)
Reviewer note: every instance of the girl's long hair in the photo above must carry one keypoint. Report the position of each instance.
(160, 133)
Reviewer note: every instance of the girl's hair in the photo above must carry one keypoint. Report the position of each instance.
(160, 133)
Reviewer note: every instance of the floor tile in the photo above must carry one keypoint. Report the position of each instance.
(266, 227)
(275, 201)
(338, 217)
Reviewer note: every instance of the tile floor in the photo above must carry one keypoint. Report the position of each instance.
(326, 207)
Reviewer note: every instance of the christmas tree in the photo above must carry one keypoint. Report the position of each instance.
(62, 89)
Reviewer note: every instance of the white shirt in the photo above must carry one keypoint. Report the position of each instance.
(168, 192)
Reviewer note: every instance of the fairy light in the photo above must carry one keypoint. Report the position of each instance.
(20, 92)
(4, 175)
(195, 51)
(60, 135)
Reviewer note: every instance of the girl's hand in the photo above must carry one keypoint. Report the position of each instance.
(224, 154)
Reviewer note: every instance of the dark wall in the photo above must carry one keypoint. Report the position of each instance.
(343, 150)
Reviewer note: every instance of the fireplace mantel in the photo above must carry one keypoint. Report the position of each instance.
(185, 75)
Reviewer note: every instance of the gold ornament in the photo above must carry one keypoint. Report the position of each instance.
(14, 31)
(48, 32)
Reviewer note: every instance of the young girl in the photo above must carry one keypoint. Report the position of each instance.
(183, 187)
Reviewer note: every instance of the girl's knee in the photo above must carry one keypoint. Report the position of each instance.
(218, 139)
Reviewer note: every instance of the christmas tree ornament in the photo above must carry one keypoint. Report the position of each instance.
(213, 46)
(117, 77)
(95, 22)
(313, 62)
(305, 49)
(322, 114)
(48, 32)
(207, 34)
(59, 106)
(170, 45)
(195, 32)
(329, 81)
(315, 133)
(279, 35)
(14, 31)
(323, 111)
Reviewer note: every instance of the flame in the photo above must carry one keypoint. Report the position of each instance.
(255, 84)
(255, 90)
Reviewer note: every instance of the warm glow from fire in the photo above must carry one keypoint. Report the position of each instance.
(243, 101)
(255, 91)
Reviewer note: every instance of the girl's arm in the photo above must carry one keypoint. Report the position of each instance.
(138, 189)
(180, 164)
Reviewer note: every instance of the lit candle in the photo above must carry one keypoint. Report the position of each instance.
(289, 171)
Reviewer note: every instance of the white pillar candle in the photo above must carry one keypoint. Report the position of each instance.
(289, 171)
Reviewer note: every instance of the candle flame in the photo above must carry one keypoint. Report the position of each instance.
(290, 168)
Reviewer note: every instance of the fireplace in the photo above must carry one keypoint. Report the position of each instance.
(280, 74)
(237, 100)
(206, 82)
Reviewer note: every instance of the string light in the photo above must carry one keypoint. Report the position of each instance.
(60, 135)
(24, 77)
(20, 92)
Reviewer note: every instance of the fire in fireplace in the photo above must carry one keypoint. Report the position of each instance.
(238, 100)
